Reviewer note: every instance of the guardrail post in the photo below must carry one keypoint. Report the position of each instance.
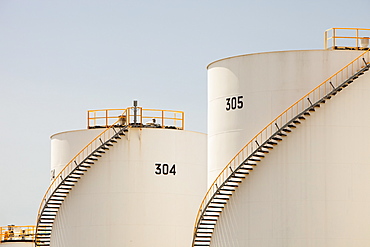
(135, 112)
(162, 119)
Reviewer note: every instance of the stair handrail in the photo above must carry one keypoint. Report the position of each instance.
(294, 110)
(77, 159)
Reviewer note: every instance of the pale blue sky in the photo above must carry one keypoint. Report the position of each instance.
(59, 59)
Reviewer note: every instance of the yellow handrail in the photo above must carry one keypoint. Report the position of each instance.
(103, 118)
(77, 159)
(17, 233)
(332, 35)
(299, 106)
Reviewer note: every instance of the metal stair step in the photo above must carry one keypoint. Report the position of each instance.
(246, 168)
(231, 185)
(223, 194)
(208, 224)
(210, 219)
(281, 134)
(248, 163)
(272, 143)
(57, 199)
(218, 202)
(212, 215)
(81, 169)
(236, 181)
(268, 147)
(277, 138)
(224, 189)
(203, 234)
(205, 228)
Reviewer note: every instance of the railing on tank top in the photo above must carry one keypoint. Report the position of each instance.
(294, 110)
(142, 118)
(17, 233)
(343, 38)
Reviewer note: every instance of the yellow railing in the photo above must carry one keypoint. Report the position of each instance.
(144, 118)
(17, 233)
(294, 110)
(85, 152)
(346, 38)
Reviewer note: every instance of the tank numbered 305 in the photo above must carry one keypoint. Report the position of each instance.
(165, 169)
(234, 103)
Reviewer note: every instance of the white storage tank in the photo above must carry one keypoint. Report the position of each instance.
(246, 92)
(310, 187)
(143, 189)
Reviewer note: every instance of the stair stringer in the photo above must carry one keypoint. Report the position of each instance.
(63, 183)
(242, 164)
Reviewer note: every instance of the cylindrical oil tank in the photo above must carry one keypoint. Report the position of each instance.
(65, 145)
(144, 191)
(246, 92)
(312, 188)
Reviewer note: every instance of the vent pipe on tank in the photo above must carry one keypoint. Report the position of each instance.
(135, 112)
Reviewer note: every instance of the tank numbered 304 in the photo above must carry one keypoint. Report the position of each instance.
(234, 103)
(165, 169)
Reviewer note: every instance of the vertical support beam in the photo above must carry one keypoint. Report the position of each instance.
(135, 112)
(183, 120)
(162, 118)
(334, 43)
(106, 118)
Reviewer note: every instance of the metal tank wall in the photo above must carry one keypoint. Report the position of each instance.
(64, 146)
(17, 244)
(246, 92)
(311, 190)
(130, 197)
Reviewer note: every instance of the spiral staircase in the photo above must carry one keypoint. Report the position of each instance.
(256, 149)
(71, 174)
